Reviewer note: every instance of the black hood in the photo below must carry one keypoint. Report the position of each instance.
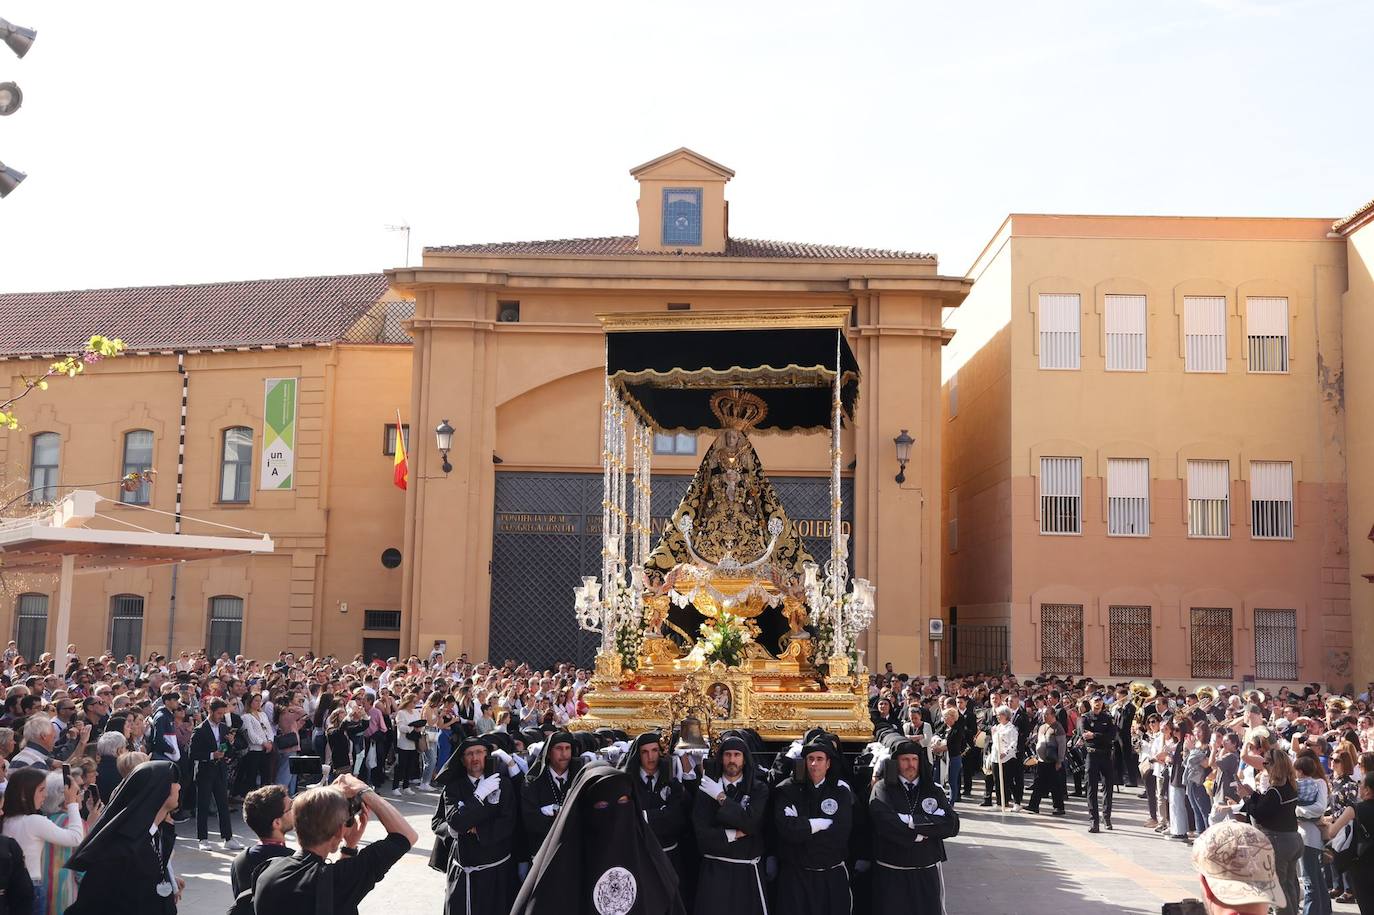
(540, 765)
(130, 813)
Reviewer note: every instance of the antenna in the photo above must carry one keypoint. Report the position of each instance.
(403, 227)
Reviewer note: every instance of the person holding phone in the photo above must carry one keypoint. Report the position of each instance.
(210, 746)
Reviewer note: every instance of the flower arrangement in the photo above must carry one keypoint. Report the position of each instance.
(724, 638)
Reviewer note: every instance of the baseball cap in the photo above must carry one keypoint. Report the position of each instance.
(1238, 862)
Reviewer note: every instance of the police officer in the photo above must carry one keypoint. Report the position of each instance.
(1098, 731)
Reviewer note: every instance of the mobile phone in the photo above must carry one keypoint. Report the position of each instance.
(66, 772)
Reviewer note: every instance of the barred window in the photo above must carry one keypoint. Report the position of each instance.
(1209, 499)
(1131, 640)
(1059, 347)
(1271, 500)
(1125, 327)
(31, 625)
(1211, 634)
(1204, 333)
(1128, 497)
(1276, 644)
(126, 625)
(1266, 333)
(1061, 495)
(226, 626)
(1061, 638)
(382, 619)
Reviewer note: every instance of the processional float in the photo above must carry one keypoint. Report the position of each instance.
(727, 616)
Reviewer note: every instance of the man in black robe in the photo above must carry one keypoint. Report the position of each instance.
(660, 795)
(813, 812)
(600, 856)
(477, 816)
(911, 817)
(728, 817)
(546, 787)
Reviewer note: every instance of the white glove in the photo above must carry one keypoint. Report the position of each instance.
(794, 751)
(711, 786)
(549, 809)
(789, 810)
(906, 819)
(920, 838)
(819, 823)
(487, 786)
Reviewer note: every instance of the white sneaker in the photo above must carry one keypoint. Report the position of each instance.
(233, 845)
(395, 792)
(206, 846)
(410, 791)
(426, 786)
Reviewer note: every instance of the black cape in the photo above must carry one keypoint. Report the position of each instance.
(123, 859)
(600, 856)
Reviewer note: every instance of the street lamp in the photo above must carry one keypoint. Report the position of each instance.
(17, 37)
(9, 179)
(903, 443)
(443, 440)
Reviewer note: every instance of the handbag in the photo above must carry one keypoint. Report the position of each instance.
(288, 741)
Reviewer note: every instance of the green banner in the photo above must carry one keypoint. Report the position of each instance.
(279, 434)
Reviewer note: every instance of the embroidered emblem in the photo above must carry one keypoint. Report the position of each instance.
(932, 806)
(615, 892)
(829, 806)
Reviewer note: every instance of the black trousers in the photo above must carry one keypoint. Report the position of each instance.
(1127, 763)
(1101, 770)
(407, 767)
(211, 783)
(1051, 781)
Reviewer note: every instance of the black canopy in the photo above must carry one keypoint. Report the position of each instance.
(667, 370)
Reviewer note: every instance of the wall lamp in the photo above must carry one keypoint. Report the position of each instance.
(903, 443)
(443, 439)
(17, 37)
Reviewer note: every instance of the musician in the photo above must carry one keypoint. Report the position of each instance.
(1123, 714)
(1099, 734)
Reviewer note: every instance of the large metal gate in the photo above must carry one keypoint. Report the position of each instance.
(548, 535)
(1212, 644)
(1131, 641)
(975, 649)
(1061, 639)
(1276, 645)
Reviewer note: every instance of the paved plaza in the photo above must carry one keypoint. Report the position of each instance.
(998, 864)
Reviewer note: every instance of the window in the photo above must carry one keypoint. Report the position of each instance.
(138, 457)
(226, 627)
(1209, 499)
(1059, 332)
(1204, 334)
(382, 619)
(236, 471)
(1128, 497)
(1125, 327)
(682, 216)
(1211, 643)
(126, 625)
(1061, 495)
(1061, 638)
(1131, 640)
(31, 625)
(668, 443)
(389, 438)
(953, 534)
(1271, 500)
(1276, 644)
(1266, 333)
(43, 467)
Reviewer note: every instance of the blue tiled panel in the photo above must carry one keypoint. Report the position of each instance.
(682, 216)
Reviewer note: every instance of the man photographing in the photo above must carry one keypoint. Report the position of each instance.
(307, 881)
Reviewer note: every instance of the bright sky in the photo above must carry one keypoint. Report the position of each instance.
(174, 142)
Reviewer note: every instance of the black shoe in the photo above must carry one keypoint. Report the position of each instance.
(1078, 794)
(1093, 828)
(1108, 824)
(1058, 813)
(1031, 809)
(987, 802)
(1142, 795)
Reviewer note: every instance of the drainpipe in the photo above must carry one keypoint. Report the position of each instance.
(181, 476)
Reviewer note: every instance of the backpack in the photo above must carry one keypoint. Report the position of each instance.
(324, 897)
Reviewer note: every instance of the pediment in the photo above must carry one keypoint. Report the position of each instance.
(682, 164)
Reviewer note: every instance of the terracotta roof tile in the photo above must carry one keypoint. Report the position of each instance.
(628, 246)
(1361, 212)
(310, 309)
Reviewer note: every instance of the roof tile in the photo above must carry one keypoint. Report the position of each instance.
(628, 246)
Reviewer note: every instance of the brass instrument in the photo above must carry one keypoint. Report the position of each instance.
(1254, 697)
(1141, 693)
(1207, 696)
(1338, 704)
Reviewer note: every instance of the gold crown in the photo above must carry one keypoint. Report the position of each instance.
(738, 409)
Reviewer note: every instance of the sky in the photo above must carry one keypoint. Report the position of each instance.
(176, 142)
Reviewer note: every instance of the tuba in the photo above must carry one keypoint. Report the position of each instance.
(1338, 704)
(1207, 696)
(1254, 697)
(1141, 693)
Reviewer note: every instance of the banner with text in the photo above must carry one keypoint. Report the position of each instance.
(279, 434)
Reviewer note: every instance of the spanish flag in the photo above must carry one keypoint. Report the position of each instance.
(401, 470)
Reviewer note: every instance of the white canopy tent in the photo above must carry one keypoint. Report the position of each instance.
(58, 541)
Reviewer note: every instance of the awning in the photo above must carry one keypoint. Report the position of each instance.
(667, 366)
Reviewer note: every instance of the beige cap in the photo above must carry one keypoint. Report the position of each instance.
(1238, 862)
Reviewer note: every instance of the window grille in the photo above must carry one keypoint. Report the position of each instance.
(126, 625)
(31, 625)
(1061, 495)
(43, 467)
(668, 443)
(138, 457)
(1213, 657)
(977, 649)
(1061, 638)
(1266, 329)
(382, 619)
(1209, 499)
(1271, 500)
(1131, 640)
(1059, 319)
(1276, 644)
(1204, 333)
(1125, 328)
(226, 627)
(236, 468)
(1128, 497)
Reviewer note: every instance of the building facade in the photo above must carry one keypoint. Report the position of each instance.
(1145, 459)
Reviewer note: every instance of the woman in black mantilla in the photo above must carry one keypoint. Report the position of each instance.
(601, 857)
(124, 856)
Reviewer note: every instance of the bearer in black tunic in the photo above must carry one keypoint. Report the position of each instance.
(477, 814)
(660, 795)
(813, 811)
(911, 818)
(728, 817)
(546, 786)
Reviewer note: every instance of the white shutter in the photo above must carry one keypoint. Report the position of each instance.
(1128, 497)
(1266, 328)
(1061, 495)
(1204, 332)
(1209, 479)
(1209, 498)
(1058, 316)
(1125, 329)
(1271, 500)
